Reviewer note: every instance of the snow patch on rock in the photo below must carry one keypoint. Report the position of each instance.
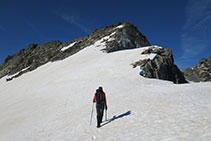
(102, 42)
(69, 46)
(120, 26)
(10, 76)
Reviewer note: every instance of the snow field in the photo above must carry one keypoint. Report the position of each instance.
(54, 102)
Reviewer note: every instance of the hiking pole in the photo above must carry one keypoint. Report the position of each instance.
(105, 115)
(91, 114)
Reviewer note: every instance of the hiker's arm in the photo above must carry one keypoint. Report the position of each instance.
(94, 98)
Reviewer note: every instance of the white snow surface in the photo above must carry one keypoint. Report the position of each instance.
(54, 102)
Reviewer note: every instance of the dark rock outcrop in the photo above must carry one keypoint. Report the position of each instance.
(124, 35)
(161, 66)
(127, 37)
(199, 73)
(32, 57)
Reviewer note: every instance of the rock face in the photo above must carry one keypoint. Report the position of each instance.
(124, 36)
(161, 66)
(199, 73)
(31, 58)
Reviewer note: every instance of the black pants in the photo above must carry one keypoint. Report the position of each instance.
(100, 110)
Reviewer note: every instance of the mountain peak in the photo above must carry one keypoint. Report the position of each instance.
(124, 36)
(109, 39)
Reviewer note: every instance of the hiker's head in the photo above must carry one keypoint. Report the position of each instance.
(100, 88)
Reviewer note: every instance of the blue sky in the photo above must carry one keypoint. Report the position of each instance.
(184, 26)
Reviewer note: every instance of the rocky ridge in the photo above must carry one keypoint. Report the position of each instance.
(199, 73)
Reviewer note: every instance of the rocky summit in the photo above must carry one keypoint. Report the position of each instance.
(117, 37)
(199, 73)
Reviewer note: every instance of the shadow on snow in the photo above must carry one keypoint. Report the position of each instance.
(116, 117)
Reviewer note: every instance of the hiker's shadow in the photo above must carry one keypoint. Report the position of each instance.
(116, 117)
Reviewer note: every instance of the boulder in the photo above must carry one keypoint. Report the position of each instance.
(161, 66)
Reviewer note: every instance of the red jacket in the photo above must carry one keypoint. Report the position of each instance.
(104, 98)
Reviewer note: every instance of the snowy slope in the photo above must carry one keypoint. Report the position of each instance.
(54, 102)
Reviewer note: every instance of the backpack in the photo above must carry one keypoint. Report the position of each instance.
(100, 97)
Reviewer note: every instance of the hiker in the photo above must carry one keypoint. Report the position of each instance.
(100, 99)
